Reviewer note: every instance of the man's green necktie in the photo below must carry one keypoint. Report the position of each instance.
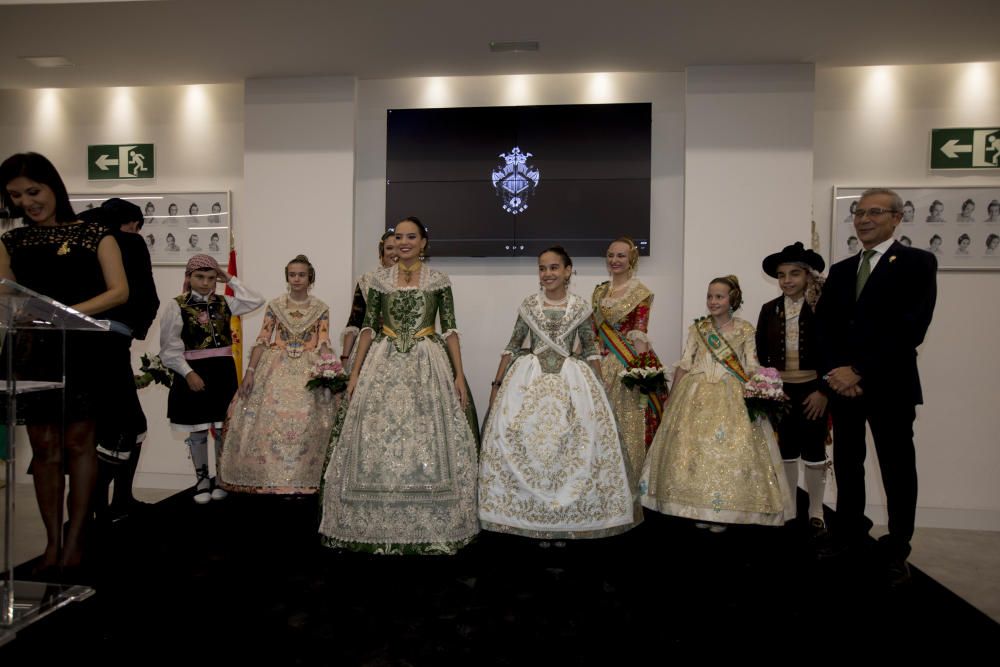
(863, 272)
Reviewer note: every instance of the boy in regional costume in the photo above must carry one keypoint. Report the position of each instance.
(196, 344)
(788, 340)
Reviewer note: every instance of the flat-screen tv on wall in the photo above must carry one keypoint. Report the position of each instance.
(508, 181)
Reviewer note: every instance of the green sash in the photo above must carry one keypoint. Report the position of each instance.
(719, 347)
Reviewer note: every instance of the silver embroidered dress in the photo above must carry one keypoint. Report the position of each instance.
(552, 464)
(402, 472)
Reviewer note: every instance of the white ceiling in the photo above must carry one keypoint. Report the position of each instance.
(209, 41)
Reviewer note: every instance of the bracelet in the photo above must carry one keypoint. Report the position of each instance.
(345, 356)
(496, 383)
(251, 369)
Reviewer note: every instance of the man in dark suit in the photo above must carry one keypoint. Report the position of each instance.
(874, 312)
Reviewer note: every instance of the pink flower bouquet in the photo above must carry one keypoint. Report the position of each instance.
(327, 373)
(765, 395)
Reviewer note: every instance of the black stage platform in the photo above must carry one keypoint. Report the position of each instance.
(246, 579)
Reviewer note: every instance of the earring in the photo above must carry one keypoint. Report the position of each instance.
(731, 311)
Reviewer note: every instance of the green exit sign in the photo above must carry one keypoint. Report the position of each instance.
(120, 161)
(966, 148)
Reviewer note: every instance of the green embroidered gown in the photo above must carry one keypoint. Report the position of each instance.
(401, 478)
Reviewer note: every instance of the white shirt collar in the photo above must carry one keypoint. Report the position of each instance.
(194, 296)
(882, 247)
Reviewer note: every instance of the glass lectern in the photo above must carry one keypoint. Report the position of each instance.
(24, 313)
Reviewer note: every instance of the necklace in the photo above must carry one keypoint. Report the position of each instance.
(408, 272)
(556, 302)
(620, 288)
(720, 326)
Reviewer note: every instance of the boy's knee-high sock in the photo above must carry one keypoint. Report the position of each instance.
(198, 443)
(815, 474)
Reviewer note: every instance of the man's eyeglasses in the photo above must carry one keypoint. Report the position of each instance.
(873, 212)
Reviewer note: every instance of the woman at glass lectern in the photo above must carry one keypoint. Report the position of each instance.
(78, 264)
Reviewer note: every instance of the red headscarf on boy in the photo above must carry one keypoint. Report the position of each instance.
(199, 263)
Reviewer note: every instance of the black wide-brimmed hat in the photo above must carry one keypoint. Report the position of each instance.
(792, 254)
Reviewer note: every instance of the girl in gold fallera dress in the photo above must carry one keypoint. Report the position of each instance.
(278, 429)
(622, 307)
(401, 478)
(552, 465)
(708, 461)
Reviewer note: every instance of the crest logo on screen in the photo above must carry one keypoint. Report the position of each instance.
(515, 181)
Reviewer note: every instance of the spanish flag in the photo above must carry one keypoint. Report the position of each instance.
(236, 323)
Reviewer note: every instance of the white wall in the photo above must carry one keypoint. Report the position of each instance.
(747, 177)
(872, 128)
(489, 290)
(198, 133)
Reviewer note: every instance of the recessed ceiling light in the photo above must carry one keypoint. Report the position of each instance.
(513, 47)
(48, 61)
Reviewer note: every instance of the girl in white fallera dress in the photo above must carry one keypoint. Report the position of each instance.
(552, 464)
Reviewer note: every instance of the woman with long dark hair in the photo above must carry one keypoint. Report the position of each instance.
(79, 264)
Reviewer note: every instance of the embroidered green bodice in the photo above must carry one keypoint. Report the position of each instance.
(406, 314)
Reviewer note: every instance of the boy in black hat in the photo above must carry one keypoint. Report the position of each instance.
(787, 340)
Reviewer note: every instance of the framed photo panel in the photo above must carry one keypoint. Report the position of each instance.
(178, 224)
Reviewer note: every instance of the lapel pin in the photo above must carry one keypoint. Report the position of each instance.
(892, 258)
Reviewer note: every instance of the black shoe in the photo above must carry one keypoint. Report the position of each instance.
(830, 548)
(898, 573)
(817, 530)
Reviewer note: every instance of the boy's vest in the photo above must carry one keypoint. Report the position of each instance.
(771, 337)
(206, 323)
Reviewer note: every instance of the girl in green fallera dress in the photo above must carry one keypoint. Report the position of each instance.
(401, 478)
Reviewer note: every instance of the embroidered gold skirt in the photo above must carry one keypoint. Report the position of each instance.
(709, 462)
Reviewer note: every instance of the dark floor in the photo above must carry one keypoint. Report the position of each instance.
(245, 579)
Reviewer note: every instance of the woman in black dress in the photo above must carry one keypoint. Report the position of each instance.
(79, 264)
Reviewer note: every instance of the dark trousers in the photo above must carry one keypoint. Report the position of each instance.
(121, 418)
(892, 429)
(798, 436)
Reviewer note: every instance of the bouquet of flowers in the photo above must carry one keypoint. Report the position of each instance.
(327, 373)
(765, 395)
(644, 372)
(153, 370)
